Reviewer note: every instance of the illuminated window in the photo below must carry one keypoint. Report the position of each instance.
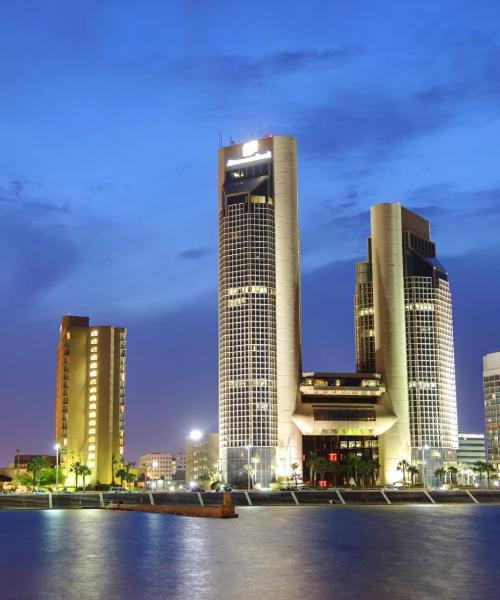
(93, 365)
(92, 397)
(93, 389)
(91, 455)
(93, 382)
(94, 333)
(93, 373)
(92, 424)
(92, 447)
(91, 464)
(92, 415)
(121, 449)
(68, 335)
(93, 349)
(91, 439)
(94, 341)
(92, 406)
(92, 431)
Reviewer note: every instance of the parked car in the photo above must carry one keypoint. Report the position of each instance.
(117, 490)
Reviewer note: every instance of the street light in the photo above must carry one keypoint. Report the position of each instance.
(56, 448)
(249, 466)
(423, 448)
(154, 464)
(195, 435)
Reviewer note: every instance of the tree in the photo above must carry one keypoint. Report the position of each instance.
(365, 468)
(250, 472)
(84, 472)
(452, 472)
(413, 471)
(440, 474)
(403, 466)
(295, 474)
(121, 474)
(322, 466)
(75, 468)
(50, 476)
(354, 465)
(255, 460)
(23, 479)
(311, 465)
(480, 467)
(336, 468)
(35, 466)
(130, 478)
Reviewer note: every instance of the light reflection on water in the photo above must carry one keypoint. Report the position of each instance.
(282, 553)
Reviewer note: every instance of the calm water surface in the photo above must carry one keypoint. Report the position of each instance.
(280, 553)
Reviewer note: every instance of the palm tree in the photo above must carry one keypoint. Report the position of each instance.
(480, 468)
(84, 472)
(295, 475)
(365, 468)
(440, 474)
(75, 468)
(130, 478)
(311, 465)
(403, 466)
(354, 465)
(322, 466)
(36, 464)
(255, 460)
(413, 470)
(336, 468)
(250, 472)
(452, 472)
(121, 474)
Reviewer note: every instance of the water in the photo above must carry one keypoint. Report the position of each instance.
(316, 553)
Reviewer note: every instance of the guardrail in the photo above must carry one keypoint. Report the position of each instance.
(255, 498)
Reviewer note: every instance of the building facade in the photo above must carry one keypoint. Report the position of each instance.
(158, 466)
(471, 448)
(491, 387)
(202, 459)
(90, 397)
(259, 308)
(404, 330)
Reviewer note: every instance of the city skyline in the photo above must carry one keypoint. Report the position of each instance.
(88, 205)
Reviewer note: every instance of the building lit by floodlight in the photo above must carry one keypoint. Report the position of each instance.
(90, 396)
(259, 307)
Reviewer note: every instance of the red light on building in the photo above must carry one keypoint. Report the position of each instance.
(333, 456)
(322, 483)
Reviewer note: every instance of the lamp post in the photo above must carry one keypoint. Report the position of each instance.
(56, 448)
(154, 465)
(423, 448)
(249, 465)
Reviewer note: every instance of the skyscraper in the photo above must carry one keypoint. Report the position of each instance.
(90, 396)
(259, 307)
(491, 386)
(404, 330)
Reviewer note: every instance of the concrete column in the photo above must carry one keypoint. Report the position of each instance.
(390, 334)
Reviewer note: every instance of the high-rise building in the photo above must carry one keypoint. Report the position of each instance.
(259, 307)
(491, 386)
(90, 397)
(202, 457)
(404, 331)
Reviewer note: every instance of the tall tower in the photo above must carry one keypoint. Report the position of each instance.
(259, 308)
(90, 396)
(404, 329)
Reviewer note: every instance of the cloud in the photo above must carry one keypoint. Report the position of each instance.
(194, 254)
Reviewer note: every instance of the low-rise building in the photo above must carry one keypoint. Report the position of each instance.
(491, 386)
(471, 448)
(158, 466)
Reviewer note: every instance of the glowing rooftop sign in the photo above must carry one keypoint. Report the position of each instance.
(241, 161)
(250, 148)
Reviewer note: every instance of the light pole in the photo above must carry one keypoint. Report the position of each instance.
(423, 448)
(155, 465)
(249, 465)
(56, 448)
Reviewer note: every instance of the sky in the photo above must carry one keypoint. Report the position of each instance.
(110, 114)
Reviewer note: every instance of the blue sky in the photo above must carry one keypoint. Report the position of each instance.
(110, 115)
